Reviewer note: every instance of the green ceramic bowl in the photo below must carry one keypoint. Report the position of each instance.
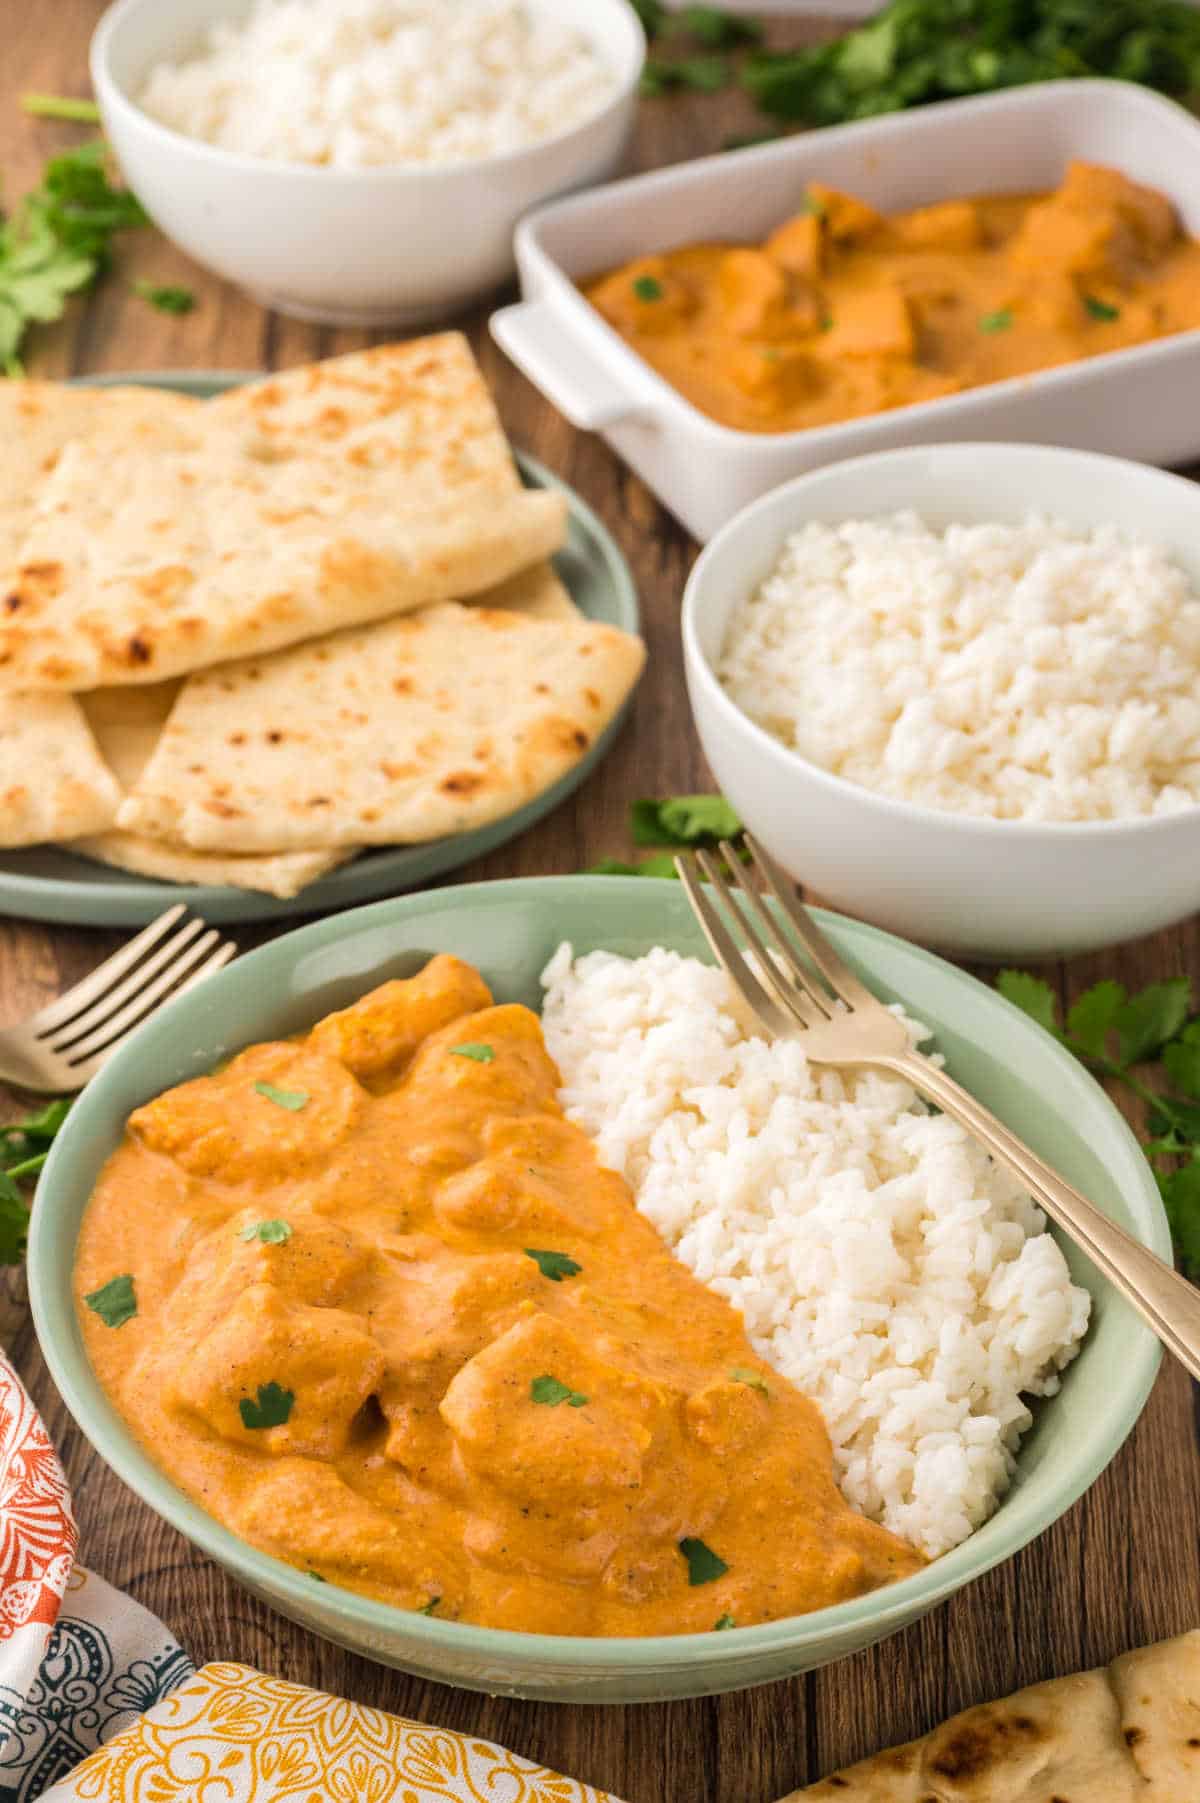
(510, 930)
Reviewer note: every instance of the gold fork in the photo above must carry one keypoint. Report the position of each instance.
(839, 1022)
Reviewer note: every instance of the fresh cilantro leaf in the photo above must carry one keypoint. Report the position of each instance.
(550, 1392)
(316, 1576)
(115, 1301)
(1181, 1060)
(291, 1099)
(749, 140)
(271, 1233)
(58, 240)
(684, 820)
(1100, 309)
(429, 1607)
(167, 298)
(702, 1563)
(1181, 1199)
(1031, 995)
(652, 14)
(702, 74)
(1092, 1020)
(716, 29)
(43, 1126)
(722, 1622)
(1148, 1020)
(661, 865)
(999, 321)
(554, 1265)
(753, 1380)
(271, 1409)
(480, 1054)
(647, 288)
(57, 106)
(14, 1222)
(28, 1167)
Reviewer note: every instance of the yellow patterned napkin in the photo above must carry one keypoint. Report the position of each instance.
(233, 1734)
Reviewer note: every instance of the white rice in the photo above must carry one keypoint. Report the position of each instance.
(878, 1258)
(1032, 672)
(355, 83)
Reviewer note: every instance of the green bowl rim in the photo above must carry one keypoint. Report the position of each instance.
(893, 1605)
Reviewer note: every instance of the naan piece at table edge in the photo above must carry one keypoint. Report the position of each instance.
(1126, 1733)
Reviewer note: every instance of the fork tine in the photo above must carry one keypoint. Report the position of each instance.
(83, 1025)
(729, 957)
(75, 999)
(839, 976)
(790, 998)
(83, 1073)
(793, 972)
(142, 1003)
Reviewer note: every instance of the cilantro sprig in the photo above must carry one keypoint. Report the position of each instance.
(24, 1149)
(915, 51)
(1114, 1033)
(682, 821)
(58, 241)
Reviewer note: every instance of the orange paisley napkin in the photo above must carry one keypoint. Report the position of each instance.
(232, 1734)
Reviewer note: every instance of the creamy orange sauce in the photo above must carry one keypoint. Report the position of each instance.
(845, 311)
(344, 1351)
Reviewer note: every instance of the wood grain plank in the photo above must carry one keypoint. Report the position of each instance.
(1121, 1567)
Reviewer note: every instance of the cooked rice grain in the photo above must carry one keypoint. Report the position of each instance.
(878, 1257)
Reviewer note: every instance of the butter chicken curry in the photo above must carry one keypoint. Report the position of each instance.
(372, 1301)
(845, 311)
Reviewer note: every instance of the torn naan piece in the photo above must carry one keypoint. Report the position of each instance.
(536, 592)
(127, 725)
(391, 407)
(39, 419)
(53, 781)
(1127, 1733)
(140, 568)
(420, 726)
(418, 408)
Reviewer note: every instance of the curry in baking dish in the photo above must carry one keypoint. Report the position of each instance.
(845, 311)
(371, 1300)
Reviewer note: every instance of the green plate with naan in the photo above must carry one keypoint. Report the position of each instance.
(47, 882)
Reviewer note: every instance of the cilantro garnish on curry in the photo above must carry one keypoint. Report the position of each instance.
(362, 1344)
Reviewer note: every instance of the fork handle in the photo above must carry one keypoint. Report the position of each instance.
(1161, 1296)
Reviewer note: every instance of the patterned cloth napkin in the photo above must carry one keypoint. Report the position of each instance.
(87, 1674)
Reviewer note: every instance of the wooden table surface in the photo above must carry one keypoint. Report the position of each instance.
(1121, 1568)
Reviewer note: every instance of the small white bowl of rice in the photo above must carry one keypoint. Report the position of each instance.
(362, 162)
(955, 690)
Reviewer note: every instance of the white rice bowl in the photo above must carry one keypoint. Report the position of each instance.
(879, 1259)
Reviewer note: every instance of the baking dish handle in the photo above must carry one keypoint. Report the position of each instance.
(543, 347)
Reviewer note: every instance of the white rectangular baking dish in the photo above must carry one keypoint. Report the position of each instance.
(1142, 403)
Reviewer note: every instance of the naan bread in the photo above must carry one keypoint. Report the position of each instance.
(53, 781)
(39, 419)
(421, 726)
(415, 410)
(385, 408)
(537, 592)
(140, 568)
(127, 725)
(1129, 1733)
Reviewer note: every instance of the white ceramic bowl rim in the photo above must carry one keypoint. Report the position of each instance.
(112, 93)
(733, 717)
